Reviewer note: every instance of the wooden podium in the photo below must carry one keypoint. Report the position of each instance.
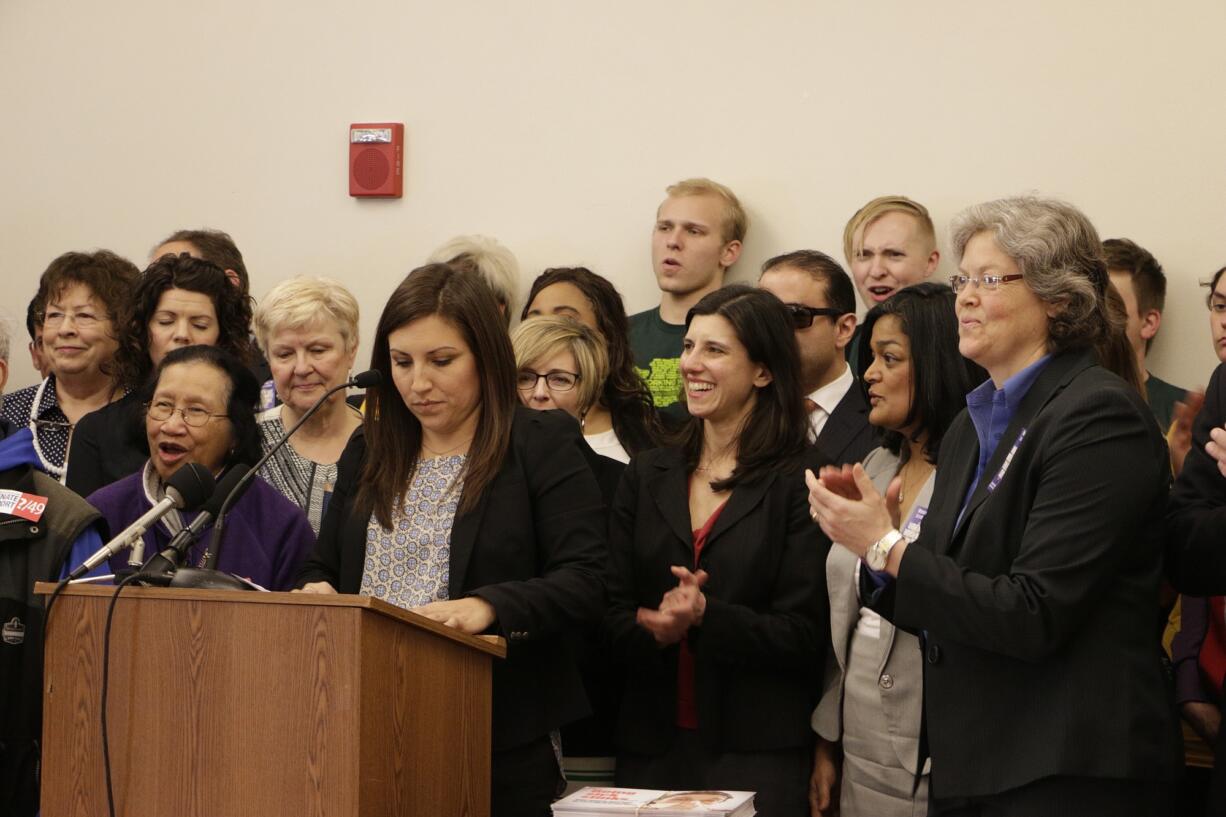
(228, 703)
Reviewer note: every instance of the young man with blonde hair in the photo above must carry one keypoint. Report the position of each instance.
(889, 243)
(698, 235)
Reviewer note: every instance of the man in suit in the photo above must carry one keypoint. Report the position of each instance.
(820, 296)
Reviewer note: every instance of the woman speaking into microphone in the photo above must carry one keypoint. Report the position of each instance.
(1034, 581)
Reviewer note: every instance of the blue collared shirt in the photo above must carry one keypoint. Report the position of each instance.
(992, 410)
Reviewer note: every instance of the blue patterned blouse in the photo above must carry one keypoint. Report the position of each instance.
(409, 564)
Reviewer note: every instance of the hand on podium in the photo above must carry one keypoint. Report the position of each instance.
(322, 588)
(470, 615)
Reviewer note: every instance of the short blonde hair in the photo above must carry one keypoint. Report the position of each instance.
(877, 208)
(736, 222)
(538, 338)
(305, 301)
(487, 257)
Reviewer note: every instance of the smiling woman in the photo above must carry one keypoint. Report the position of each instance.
(717, 610)
(82, 300)
(1038, 565)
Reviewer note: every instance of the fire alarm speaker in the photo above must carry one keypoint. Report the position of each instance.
(376, 159)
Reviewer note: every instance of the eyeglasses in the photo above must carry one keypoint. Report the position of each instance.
(802, 316)
(55, 317)
(988, 282)
(556, 380)
(194, 416)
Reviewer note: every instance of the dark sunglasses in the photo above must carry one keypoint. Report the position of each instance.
(802, 316)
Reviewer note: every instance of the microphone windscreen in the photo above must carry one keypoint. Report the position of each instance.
(368, 378)
(190, 486)
(229, 481)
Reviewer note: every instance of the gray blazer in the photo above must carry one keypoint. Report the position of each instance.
(900, 672)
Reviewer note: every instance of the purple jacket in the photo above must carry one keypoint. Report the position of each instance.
(267, 537)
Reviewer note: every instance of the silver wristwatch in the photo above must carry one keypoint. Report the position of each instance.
(879, 551)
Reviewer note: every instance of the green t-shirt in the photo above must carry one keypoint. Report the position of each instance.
(657, 355)
(1162, 396)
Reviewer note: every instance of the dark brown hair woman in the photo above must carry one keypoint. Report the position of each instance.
(460, 504)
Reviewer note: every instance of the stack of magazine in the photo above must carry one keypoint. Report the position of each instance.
(608, 802)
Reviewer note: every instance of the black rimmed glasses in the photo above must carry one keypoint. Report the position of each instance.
(556, 380)
(802, 316)
(988, 282)
(160, 411)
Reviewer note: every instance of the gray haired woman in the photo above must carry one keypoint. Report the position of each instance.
(1034, 580)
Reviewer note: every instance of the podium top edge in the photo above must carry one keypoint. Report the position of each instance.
(490, 644)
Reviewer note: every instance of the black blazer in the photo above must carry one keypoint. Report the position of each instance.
(847, 436)
(533, 547)
(1038, 607)
(760, 649)
(107, 445)
(1196, 516)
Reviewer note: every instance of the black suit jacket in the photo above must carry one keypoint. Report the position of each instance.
(1197, 511)
(533, 547)
(1038, 606)
(847, 436)
(759, 651)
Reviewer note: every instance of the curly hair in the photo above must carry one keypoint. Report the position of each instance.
(627, 398)
(182, 271)
(1060, 257)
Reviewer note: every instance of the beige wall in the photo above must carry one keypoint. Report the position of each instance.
(554, 126)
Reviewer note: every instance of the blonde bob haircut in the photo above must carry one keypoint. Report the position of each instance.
(537, 339)
(877, 208)
(736, 222)
(298, 303)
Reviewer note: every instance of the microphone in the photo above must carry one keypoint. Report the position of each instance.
(186, 489)
(172, 555)
(363, 380)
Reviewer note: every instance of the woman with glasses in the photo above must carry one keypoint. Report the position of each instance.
(623, 414)
(199, 407)
(458, 503)
(562, 364)
(178, 301)
(82, 303)
(868, 720)
(1035, 577)
(717, 607)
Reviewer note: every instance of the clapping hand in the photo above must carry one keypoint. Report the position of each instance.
(848, 508)
(681, 608)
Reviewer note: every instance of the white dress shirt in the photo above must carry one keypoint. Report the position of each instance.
(826, 398)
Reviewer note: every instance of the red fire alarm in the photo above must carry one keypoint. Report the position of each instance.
(376, 159)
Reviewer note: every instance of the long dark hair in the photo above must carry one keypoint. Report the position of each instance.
(940, 376)
(627, 398)
(182, 271)
(775, 433)
(240, 404)
(393, 433)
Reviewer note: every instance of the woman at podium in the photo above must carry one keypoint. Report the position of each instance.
(717, 604)
(456, 502)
